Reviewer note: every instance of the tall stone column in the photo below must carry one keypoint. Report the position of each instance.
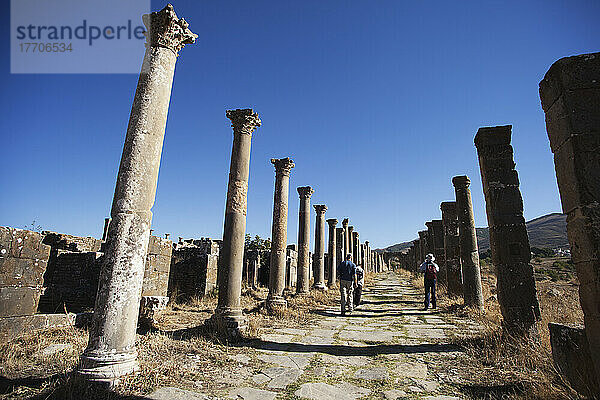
(351, 242)
(303, 280)
(283, 167)
(339, 235)
(332, 251)
(228, 314)
(570, 94)
(320, 247)
(111, 351)
(366, 255)
(509, 242)
(346, 247)
(436, 238)
(469, 255)
(416, 254)
(451, 247)
(423, 249)
(355, 247)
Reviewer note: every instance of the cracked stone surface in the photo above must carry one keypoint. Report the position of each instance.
(324, 391)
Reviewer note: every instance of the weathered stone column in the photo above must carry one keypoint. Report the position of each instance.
(319, 260)
(303, 281)
(111, 350)
(436, 239)
(469, 255)
(416, 254)
(332, 251)
(351, 241)
(355, 247)
(346, 245)
(283, 167)
(451, 247)
(339, 235)
(423, 249)
(570, 94)
(228, 314)
(366, 255)
(509, 242)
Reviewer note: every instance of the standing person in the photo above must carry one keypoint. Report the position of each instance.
(360, 282)
(346, 272)
(430, 270)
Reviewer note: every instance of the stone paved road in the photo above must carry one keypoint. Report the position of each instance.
(389, 348)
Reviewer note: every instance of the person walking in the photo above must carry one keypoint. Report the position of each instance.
(360, 282)
(430, 270)
(346, 272)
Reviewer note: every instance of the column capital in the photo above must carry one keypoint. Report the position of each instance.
(243, 121)
(320, 208)
(332, 222)
(367, 242)
(354, 233)
(351, 228)
(345, 222)
(164, 29)
(283, 166)
(305, 192)
(429, 224)
(448, 206)
(461, 181)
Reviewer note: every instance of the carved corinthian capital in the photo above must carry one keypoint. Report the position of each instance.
(283, 166)
(243, 121)
(305, 192)
(461, 181)
(164, 29)
(320, 208)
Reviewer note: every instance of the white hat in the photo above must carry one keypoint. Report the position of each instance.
(430, 257)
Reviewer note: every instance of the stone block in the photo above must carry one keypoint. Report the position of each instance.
(149, 307)
(14, 327)
(22, 272)
(509, 243)
(578, 171)
(583, 231)
(18, 301)
(61, 241)
(571, 355)
(160, 246)
(20, 243)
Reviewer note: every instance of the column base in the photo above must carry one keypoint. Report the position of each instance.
(106, 368)
(229, 322)
(320, 286)
(276, 303)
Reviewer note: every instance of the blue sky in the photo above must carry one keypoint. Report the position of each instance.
(376, 102)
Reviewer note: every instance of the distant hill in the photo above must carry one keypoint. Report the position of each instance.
(548, 231)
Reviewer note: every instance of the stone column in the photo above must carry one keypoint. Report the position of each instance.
(339, 235)
(355, 247)
(303, 281)
(469, 255)
(569, 93)
(451, 247)
(283, 167)
(366, 256)
(351, 242)
(111, 350)
(346, 246)
(319, 261)
(332, 250)
(105, 230)
(416, 254)
(437, 230)
(423, 250)
(509, 242)
(228, 314)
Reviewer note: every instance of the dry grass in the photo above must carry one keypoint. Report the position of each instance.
(509, 367)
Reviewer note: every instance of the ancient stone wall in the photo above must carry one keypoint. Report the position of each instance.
(158, 265)
(194, 265)
(23, 261)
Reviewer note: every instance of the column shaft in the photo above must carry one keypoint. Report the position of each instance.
(319, 259)
(303, 280)
(451, 247)
(332, 250)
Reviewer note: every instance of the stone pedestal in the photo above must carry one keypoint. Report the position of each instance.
(332, 251)
(319, 260)
(469, 254)
(303, 283)
(283, 167)
(570, 94)
(451, 247)
(509, 242)
(111, 351)
(228, 314)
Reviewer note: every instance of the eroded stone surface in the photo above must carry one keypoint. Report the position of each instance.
(324, 391)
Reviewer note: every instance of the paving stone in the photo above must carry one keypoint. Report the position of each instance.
(324, 391)
(241, 358)
(248, 393)
(394, 394)
(173, 393)
(411, 370)
(292, 331)
(277, 338)
(372, 374)
(353, 361)
(317, 340)
(441, 397)
(294, 360)
(278, 377)
(427, 386)
(375, 336)
(327, 333)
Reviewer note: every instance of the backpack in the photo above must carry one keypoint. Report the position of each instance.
(359, 274)
(430, 272)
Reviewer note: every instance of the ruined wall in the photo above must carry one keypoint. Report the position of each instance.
(23, 261)
(194, 266)
(158, 264)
